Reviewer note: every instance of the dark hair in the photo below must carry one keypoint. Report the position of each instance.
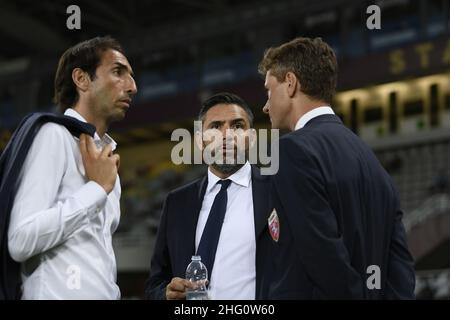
(225, 98)
(85, 55)
(311, 60)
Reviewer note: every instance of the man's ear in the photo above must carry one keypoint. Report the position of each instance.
(292, 83)
(81, 79)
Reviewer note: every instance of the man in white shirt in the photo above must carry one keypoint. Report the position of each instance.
(67, 202)
(233, 253)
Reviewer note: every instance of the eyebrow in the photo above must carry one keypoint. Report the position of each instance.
(122, 66)
(219, 122)
(238, 120)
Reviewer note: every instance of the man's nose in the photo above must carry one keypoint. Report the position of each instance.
(225, 127)
(227, 132)
(266, 108)
(132, 88)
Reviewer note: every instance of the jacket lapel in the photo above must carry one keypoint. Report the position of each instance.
(261, 200)
(193, 206)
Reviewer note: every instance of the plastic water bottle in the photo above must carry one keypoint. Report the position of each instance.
(196, 273)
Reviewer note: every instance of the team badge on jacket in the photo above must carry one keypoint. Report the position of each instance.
(274, 225)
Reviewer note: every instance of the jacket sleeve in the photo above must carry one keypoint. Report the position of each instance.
(401, 279)
(160, 268)
(308, 213)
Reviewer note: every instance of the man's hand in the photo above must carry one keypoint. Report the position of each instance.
(100, 166)
(176, 289)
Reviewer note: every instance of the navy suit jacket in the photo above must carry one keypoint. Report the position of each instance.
(175, 242)
(339, 214)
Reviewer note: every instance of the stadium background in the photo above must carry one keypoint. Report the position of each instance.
(393, 91)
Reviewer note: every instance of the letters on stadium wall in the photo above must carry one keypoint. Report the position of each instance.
(419, 59)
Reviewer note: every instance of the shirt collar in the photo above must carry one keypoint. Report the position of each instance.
(100, 142)
(241, 177)
(312, 114)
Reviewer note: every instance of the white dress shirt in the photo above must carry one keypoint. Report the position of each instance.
(234, 270)
(61, 225)
(311, 115)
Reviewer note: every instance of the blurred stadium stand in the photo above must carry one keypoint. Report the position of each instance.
(394, 91)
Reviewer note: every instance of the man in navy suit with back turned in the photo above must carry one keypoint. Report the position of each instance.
(233, 249)
(336, 226)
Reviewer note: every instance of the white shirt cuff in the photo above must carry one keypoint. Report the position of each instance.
(93, 197)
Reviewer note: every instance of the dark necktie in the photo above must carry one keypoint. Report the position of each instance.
(210, 237)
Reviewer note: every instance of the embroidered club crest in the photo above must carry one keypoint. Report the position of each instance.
(274, 225)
